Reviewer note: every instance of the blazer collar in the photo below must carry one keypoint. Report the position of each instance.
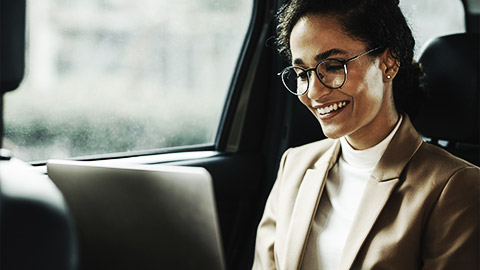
(403, 146)
(380, 186)
(305, 207)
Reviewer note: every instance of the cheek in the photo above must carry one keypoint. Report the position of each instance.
(369, 92)
(375, 95)
(306, 102)
(303, 99)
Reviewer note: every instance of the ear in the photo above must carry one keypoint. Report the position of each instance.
(389, 65)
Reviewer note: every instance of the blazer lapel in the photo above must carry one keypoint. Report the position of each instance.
(374, 199)
(305, 207)
(380, 186)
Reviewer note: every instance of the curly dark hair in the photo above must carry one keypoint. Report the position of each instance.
(377, 23)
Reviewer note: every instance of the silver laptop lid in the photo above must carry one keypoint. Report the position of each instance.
(141, 217)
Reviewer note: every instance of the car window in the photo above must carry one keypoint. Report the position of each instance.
(110, 76)
(433, 18)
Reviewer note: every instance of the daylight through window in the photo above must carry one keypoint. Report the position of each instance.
(109, 76)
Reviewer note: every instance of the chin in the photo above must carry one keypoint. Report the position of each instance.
(332, 134)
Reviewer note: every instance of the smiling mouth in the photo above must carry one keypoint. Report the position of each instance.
(332, 108)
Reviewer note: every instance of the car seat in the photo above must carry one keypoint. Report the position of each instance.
(36, 230)
(450, 117)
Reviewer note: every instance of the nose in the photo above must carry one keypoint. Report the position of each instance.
(316, 88)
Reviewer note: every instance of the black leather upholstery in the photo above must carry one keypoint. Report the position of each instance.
(450, 117)
(36, 230)
(12, 43)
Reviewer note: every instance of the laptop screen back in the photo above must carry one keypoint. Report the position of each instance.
(141, 217)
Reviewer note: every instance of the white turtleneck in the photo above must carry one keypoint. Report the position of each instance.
(345, 184)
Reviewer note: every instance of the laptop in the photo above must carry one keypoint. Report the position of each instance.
(141, 217)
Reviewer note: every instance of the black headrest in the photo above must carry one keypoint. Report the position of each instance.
(451, 65)
(12, 43)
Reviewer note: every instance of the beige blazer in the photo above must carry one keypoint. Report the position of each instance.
(420, 209)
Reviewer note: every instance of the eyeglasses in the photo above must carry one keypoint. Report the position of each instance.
(331, 72)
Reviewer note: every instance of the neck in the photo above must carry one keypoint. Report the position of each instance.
(368, 137)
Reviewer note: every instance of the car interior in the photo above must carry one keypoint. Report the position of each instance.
(260, 121)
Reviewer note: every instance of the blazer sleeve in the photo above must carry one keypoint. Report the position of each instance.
(266, 233)
(451, 239)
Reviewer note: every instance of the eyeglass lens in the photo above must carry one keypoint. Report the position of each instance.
(331, 72)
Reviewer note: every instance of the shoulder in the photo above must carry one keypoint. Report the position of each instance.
(296, 161)
(436, 159)
(311, 151)
(436, 169)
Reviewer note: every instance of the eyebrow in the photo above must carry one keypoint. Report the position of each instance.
(321, 56)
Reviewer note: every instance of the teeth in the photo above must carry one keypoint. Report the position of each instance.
(332, 107)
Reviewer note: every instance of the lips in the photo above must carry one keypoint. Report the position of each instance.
(331, 108)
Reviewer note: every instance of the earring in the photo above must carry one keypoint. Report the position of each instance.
(389, 76)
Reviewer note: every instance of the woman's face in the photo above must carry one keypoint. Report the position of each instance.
(363, 108)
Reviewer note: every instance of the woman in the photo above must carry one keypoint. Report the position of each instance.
(372, 195)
